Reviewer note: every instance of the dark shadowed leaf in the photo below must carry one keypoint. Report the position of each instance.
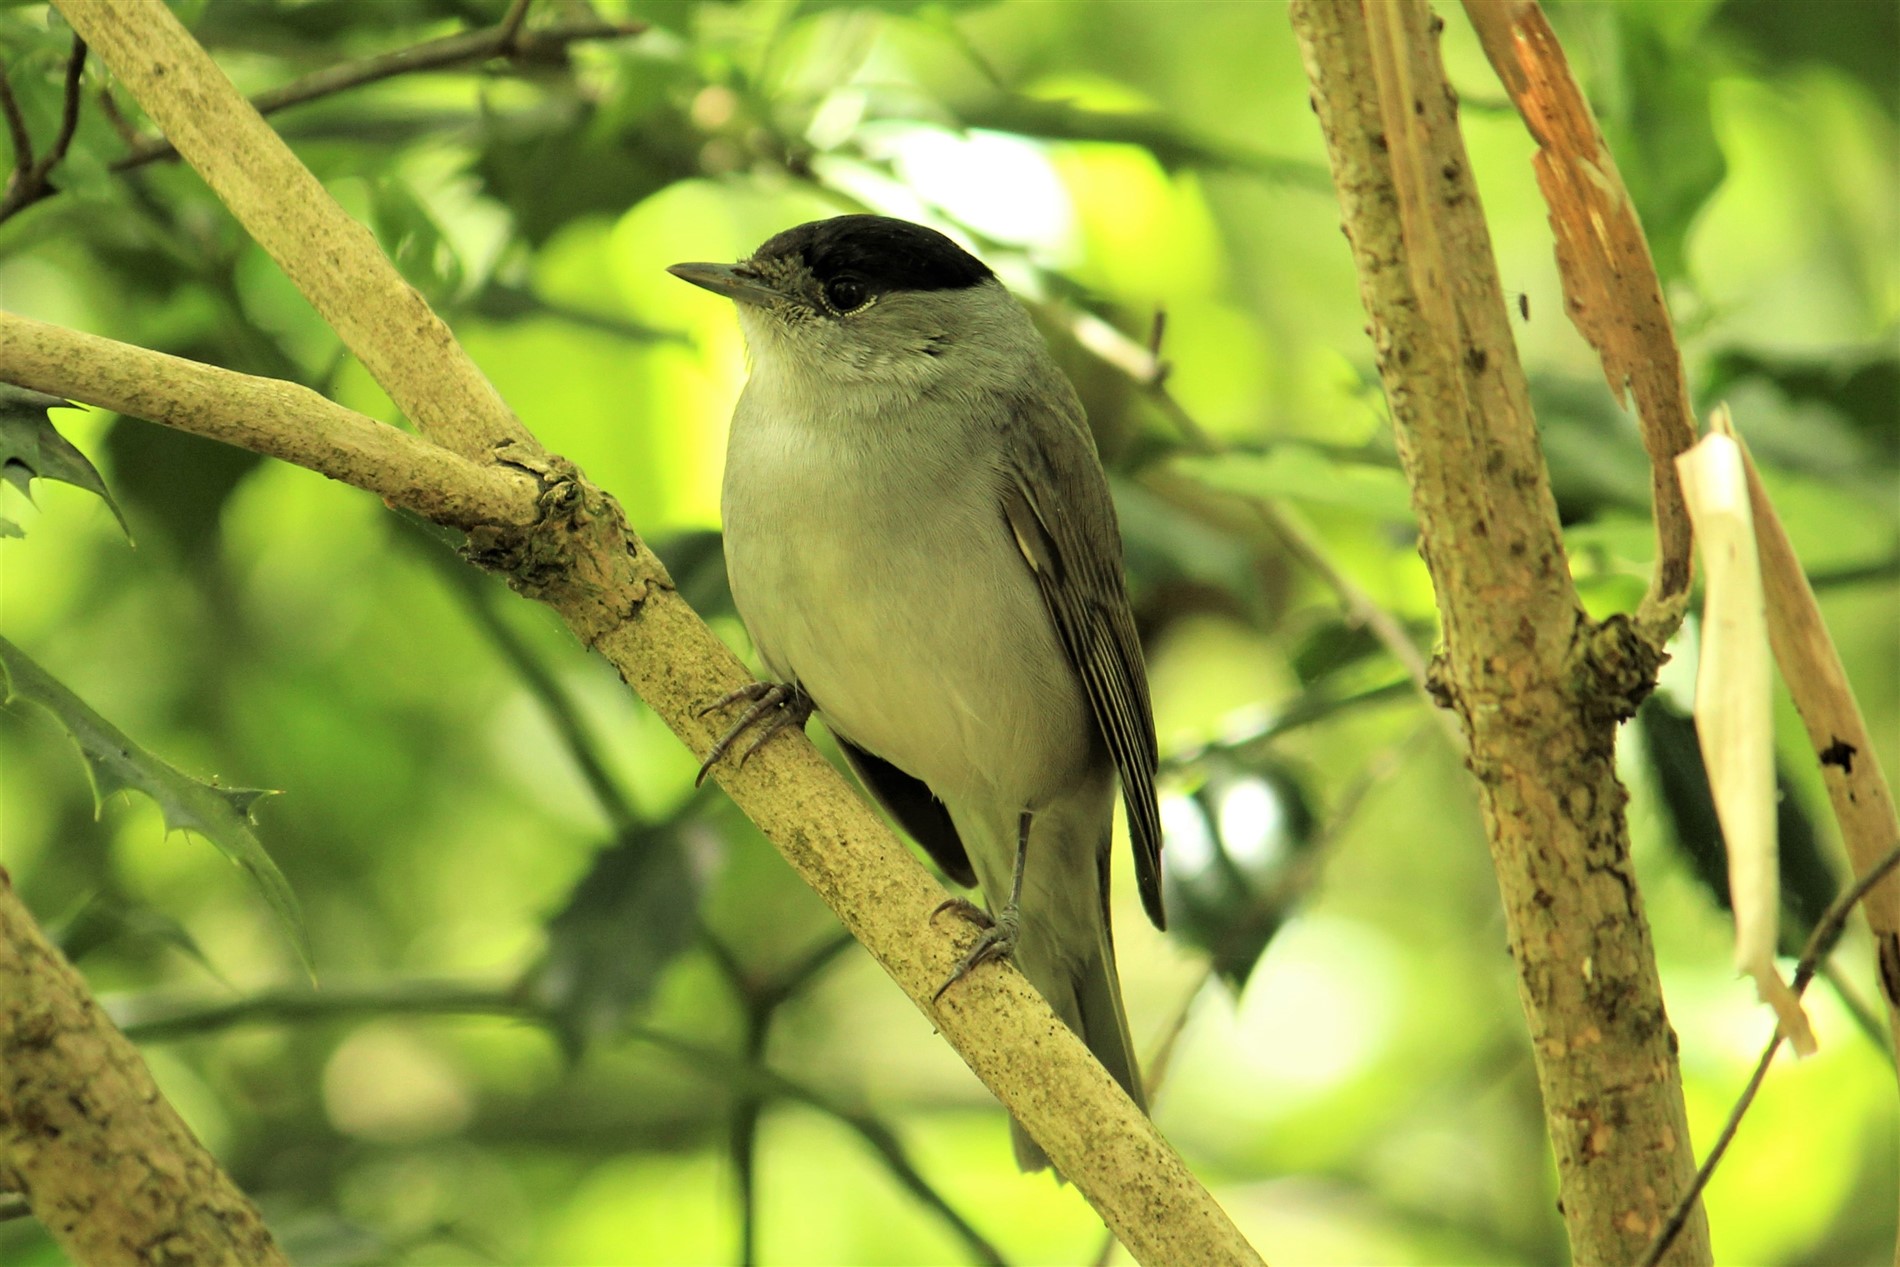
(110, 920)
(1858, 38)
(629, 917)
(1808, 882)
(31, 448)
(697, 562)
(1231, 897)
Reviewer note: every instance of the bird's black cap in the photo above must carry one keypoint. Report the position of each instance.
(883, 253)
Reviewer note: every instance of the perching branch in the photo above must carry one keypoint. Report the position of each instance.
(580, 557)
(1540, 688)
(268, 416)
(107, 1165)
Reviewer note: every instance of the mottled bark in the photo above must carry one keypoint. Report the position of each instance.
(1539, 687)
(103, 1160)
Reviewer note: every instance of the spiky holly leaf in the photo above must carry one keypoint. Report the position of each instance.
(115, 763)
(32, 448)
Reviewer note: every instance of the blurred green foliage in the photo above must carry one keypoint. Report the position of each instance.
(574, 1011)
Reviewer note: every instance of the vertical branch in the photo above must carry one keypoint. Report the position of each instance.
(1539, 688)
(106, 1163)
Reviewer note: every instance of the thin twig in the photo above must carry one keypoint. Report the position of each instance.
(31, 177)
(761, 1001)
(161, 1022)
(1820, 945)
(16, 130)
(510, 26)
(799, 975)
(146, 1021)
(109, 107)
(764, 1082)
(502, 40)
(69, 109)
(1870, 1024)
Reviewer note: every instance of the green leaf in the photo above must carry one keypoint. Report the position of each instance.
(1172, 145)
(31, 448)
(107, 918)
(1305, 474)
(116, 764)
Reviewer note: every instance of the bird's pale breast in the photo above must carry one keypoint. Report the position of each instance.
(904, 610)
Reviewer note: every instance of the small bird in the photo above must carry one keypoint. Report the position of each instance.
(921, 543)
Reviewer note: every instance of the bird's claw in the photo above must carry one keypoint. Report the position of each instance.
(792, 706)
(997, 940)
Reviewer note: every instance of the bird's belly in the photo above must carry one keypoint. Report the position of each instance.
(918, 630)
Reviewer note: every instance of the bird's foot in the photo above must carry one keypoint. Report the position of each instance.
(997, 940)
(773, 707)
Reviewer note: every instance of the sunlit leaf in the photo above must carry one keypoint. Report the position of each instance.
(1304, 474)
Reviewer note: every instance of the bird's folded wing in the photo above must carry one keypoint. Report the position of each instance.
(1073, 547)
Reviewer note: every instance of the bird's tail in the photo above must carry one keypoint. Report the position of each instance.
(1087, 994)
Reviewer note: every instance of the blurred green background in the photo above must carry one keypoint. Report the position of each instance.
(572, 1011)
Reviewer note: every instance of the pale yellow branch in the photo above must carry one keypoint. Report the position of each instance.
(264, 415)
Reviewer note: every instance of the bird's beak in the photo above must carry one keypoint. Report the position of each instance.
(734, 281)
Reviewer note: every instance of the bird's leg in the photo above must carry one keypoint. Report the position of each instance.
(790, 706)
(998, 938)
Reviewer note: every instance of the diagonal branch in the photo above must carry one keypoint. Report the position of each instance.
(332, 259)
(581, 558)
(105, 1162)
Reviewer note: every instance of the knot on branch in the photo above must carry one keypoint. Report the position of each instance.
(579, 556)
(1616, 668)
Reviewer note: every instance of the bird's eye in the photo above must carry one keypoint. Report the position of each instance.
(845, 294)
